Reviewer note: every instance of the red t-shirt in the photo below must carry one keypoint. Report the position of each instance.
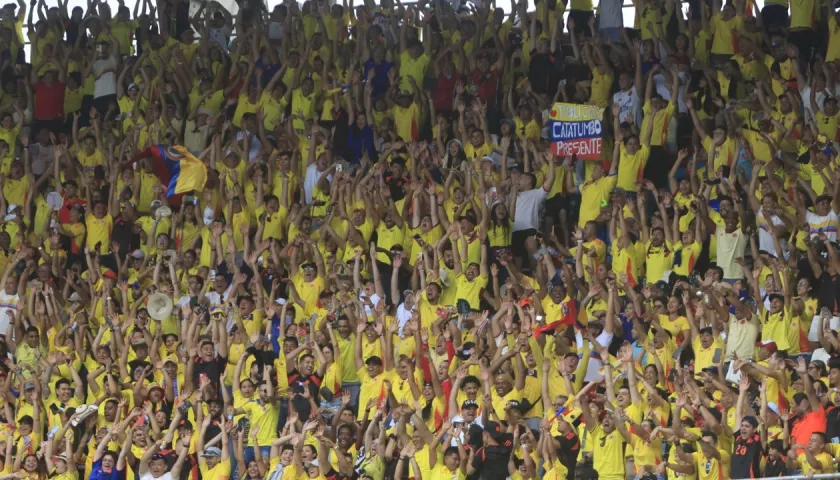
(64, 211)
(444, 92)
(49, 101)
(486, 86)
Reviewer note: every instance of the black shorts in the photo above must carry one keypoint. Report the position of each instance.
(518, 241)
(774, 17)
(55, 126)
(581, 18)
(556, 203)
(102, 103)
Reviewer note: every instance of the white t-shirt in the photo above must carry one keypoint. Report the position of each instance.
(819, 97)
(254, 145)
(611, 14)
(42, 158)
(528, 206)
(105, 77)
(277, 473)
(631, 106)
(604, 339)
(374, 299)
(822, 224)
(184, 301)
(765, 231)
(275, 30)
(403, 316)
(221, 36)
(731, 247)
(149, 476)
(8, 307)
(310, 180)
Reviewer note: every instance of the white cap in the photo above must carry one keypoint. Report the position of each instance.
(208, 216)
(774, 408)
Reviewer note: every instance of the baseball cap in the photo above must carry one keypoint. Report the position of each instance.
(494, 430)
(212, 452)
(138, 254)
(373, 360)
(470, 217)
(773, 407)
(770, 345)
(469, 404)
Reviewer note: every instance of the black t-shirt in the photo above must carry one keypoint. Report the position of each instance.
(541, 73)
(568, 451)
(832, 424)
(746, 457)
(828, 292)
(297, 384)
(213, 369)
(491, 461)
(775, 468)
(123, 235)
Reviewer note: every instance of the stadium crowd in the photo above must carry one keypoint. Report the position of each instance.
(437, 241)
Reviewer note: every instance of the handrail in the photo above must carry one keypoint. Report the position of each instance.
(817, 476)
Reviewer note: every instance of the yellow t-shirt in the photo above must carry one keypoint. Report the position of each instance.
(371, 387)
(608, 453)
(414, 68)
(659, 134)
(265, 417)
(99, 231)
(833, 51)
(710, 468)
(595, 195)
(631, 167)
(802, 13)
(407, 121)
(601, 85)
(221, 471)
(725, 153)
(722, 33)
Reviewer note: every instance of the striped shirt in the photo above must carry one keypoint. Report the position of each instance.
(820, 224)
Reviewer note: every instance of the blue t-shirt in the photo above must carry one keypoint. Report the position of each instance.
(380, 80)
(96, 473)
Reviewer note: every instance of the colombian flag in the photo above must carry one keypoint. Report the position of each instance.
(570, 315)
(175, 167)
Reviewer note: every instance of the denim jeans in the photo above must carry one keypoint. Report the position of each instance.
(354, 388)
(613, 33)
(234, 472)
(265, 452)
(284, 413)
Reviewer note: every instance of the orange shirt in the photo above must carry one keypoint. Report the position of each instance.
(810, 423)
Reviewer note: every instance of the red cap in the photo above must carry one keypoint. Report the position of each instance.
(770, 345)
(525, 301)
(108, 273)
